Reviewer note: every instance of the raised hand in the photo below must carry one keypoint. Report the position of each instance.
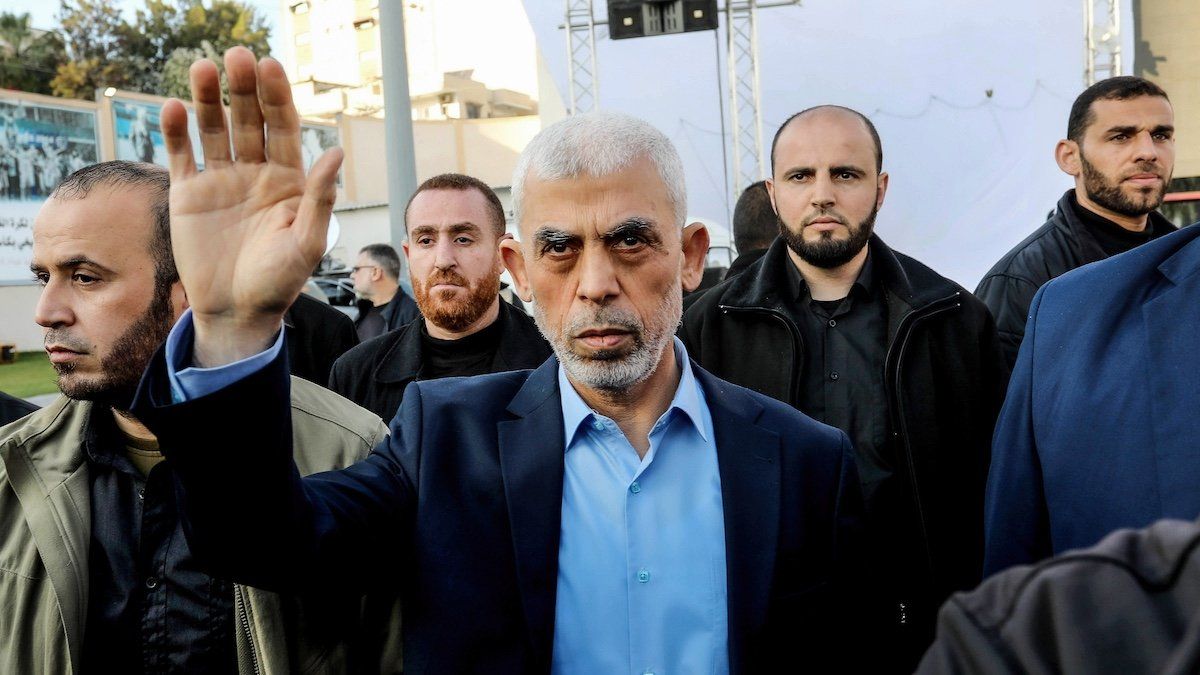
(249, 229)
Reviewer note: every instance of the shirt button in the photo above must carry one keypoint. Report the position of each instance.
(141, 493)
(643, 575)
(834, 376)
(151, 583)
(635, 488)
(832, 323)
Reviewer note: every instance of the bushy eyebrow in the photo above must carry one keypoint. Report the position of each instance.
(635, 226)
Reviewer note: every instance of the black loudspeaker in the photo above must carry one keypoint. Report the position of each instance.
(644, 18)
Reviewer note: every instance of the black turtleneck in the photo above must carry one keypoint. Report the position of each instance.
(471, 355)
(1112, 237)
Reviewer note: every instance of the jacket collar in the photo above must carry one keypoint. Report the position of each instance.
(401, 360)
(764, 284)
(43, 459)
(532, 465)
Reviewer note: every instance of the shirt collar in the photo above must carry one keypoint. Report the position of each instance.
(799, 289)
(688, 400)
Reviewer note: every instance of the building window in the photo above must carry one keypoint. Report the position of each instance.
(300, 8)
(364, 24)
(303, 38)
(474, 111)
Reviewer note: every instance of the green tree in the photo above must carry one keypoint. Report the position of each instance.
(28, 58)
(93, 30)
(146, 54)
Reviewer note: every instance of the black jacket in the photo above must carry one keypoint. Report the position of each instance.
(397, 313)
(1057, 247)
(1126, 605)
(13, 409)
(945, 379)
(317, 335)
(375, 373)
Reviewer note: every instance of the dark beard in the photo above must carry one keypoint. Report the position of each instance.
(121, 369)
(1102, 192)
(828, 253)
(456, 315)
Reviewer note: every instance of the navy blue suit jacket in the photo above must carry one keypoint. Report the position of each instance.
(1101, 427)
(460, 508)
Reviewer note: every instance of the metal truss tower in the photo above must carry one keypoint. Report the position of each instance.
(583, 82)
(1102, 40)
(744, 99)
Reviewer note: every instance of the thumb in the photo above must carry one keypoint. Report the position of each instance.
(320, 192)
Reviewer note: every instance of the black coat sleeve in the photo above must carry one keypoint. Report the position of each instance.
(1008, 298)
(247, 513)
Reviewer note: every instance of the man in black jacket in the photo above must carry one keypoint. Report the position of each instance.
(455, 224)
(755, 226)
(1120, 149)
(383, 305)
(858, 336)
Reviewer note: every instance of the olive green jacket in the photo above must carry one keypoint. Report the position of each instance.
(45, 528)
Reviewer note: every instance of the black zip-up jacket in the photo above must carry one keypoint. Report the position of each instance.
(945, 379)
(1057, 247)
(375, 373)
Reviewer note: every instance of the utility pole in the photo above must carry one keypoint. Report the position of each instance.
(1102, 40)
(583, 84)
(745, 101)
(398, 129)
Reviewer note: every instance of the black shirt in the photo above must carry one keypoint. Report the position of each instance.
(845, 343)
(1112, 237)
(471, 355)
(150, 608)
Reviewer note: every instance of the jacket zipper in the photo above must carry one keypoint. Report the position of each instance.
(797, 342)
(244, 619)
(907, 325)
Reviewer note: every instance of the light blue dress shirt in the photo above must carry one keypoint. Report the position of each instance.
(641, 560)
(189, 382)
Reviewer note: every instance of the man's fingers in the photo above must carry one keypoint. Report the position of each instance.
(248, 137)
(210, 113)
(174, 122)
(283, 124)
(320, 192)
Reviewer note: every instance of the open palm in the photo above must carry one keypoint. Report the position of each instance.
(248, 230)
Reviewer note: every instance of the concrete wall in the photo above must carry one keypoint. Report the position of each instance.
(1168, 56)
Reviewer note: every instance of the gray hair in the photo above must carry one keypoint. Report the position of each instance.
(599, 144)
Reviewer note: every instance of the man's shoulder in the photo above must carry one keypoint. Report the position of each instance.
(1118, 274)
(362, 357)
(1128, 568)
(794, 427)
(1027, 261)
(481, 393)
(318, 412)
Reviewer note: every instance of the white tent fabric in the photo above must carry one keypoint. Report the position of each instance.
(969, 99)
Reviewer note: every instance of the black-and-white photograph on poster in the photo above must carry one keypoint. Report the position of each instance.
(315, 139)
(39, 145)
(139, 136)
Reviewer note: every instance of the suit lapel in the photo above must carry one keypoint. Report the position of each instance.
(1172, 322)
(531, 462)
(748, 459)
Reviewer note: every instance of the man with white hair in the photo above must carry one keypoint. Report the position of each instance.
(615, 510)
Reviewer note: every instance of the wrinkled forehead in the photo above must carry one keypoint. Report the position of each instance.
(591, 204)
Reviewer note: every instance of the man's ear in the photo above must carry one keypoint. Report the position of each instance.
(771, 194)
(881, 190)
(695, 250)
(1067, 154)
(514, 261)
